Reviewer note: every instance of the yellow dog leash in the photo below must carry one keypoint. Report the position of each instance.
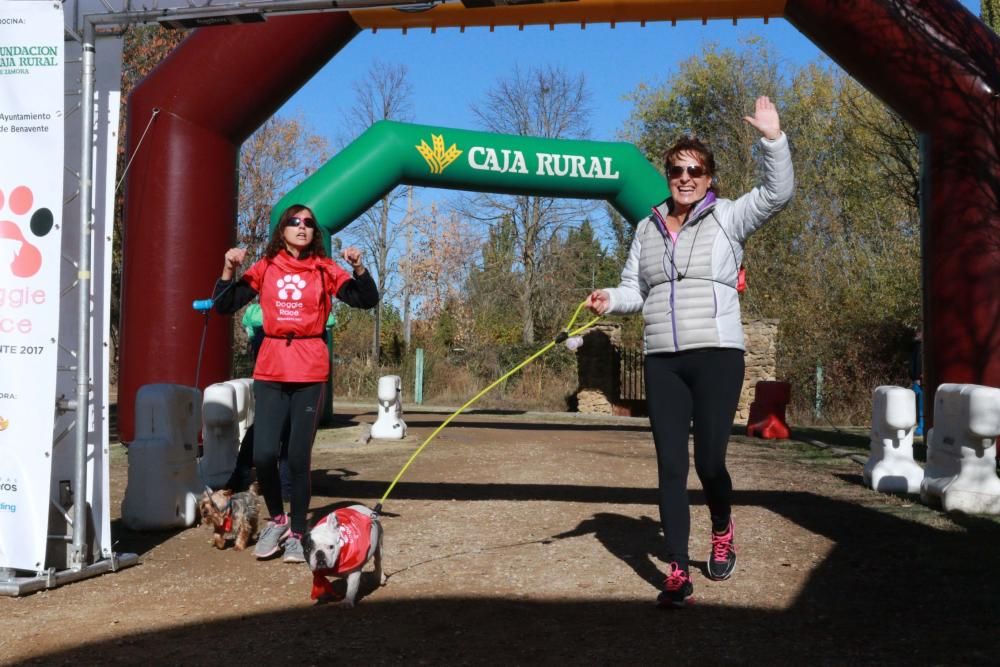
(563, 335)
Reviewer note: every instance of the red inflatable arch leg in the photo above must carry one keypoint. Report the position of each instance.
(936, 65)
(216, 88)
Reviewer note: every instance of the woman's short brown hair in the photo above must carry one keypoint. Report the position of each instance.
(690, 145)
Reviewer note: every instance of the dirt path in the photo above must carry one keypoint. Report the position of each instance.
(517, 539)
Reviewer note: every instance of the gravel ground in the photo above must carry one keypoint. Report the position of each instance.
(518, 538)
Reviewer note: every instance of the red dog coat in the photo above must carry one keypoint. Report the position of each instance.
(355, 549)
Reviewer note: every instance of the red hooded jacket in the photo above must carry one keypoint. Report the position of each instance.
(295, 302)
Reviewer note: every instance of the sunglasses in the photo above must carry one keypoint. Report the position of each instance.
(296, 221)
(693, 170)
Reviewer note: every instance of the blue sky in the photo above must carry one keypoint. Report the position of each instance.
(450, 70)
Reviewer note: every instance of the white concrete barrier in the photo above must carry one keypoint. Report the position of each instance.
(890, 467)
(244, 403)
(163, 484)
(389, 424)
(227, 411)
(960, 474)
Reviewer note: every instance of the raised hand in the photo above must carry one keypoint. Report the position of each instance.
(233, 259)
(765, 118)
(353, 257)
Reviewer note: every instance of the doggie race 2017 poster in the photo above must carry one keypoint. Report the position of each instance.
(31, 191)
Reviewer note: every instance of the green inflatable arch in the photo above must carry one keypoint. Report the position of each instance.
(390, 154)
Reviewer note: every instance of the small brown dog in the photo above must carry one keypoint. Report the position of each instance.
(231, 514)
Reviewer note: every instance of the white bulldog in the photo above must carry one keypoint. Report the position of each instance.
(339, 546)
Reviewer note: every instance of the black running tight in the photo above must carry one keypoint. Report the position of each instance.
(299, 405)
(704, 386)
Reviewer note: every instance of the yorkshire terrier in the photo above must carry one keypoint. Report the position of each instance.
(231, 514)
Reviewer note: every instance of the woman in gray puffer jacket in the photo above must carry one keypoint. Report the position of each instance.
(683, 272)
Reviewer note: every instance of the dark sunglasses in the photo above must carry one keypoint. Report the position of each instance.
(296, 221)
(693, 170)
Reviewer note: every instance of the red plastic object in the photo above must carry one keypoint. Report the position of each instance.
(767, 411)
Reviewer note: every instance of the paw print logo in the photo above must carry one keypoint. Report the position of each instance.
(290, 287)
(25, 258)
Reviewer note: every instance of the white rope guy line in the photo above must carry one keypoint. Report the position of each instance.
(156, 112)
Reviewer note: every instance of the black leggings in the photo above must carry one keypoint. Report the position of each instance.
(703, 385)
(299, 405)
(240, 478)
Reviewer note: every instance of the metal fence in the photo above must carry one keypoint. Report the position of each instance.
(632, 375)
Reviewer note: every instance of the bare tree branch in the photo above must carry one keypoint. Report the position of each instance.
(383, 94)
(544, 102)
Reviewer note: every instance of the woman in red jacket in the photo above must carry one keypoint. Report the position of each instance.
(294, 280)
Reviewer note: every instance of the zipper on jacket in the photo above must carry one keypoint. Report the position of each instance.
(671, 274)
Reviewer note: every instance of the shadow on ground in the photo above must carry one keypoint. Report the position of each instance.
(893, 590)
(138, 542)
(474, 419)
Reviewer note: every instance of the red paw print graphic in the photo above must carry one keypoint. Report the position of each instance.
(27, 257)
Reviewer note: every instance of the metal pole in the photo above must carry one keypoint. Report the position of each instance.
(819, 392)
(409, 253)
(79, 552)
(418, 379)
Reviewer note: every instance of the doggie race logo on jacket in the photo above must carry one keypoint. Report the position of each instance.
(295, 305)
(31, 189)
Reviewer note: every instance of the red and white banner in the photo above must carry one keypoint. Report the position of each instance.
(31, 191)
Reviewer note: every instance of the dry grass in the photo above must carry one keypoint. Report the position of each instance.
(453, 382)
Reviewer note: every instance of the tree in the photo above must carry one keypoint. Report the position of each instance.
(573, 267)
(383, 94)
(882, 136)
(278, 156)
(989, 12)
(495, 287)
(708, 98)
(407, 281)
(352, 332)
(440, 264)
(544, 102)
(621, 233)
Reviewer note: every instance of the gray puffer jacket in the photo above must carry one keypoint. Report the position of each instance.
(687, 290)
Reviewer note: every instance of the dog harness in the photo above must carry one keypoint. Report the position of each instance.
(356, 547)
(226, 511)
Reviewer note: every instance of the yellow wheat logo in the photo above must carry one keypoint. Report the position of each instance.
(438, 158)
(4, 424)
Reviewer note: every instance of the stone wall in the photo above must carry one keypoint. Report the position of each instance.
(599, 369)
(761, 339)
